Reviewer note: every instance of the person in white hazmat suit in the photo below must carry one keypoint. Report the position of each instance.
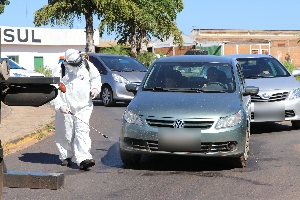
(82, 83)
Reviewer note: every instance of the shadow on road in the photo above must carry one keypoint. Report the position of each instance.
(270, 127)
(168, 162)
(42, 158)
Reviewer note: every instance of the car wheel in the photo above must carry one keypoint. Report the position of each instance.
(107, 96)
(239, 162)
(130, 158)
(247, 145)
(296, 124)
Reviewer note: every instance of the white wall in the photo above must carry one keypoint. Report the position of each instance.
(28, 43)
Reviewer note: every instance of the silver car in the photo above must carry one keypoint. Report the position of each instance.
(279, 91)
(117, 71)
(189, 105)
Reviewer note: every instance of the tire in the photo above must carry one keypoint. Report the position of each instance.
(241, 162)
(107, 96)
(130, 159)
(296, 124)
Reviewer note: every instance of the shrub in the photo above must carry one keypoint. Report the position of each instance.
(46, 71)
(146, 58)
(290, 67)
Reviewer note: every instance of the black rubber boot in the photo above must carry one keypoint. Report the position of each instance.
(86, 164)
(66, 162)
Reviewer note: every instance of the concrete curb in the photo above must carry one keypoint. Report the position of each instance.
(26, 140)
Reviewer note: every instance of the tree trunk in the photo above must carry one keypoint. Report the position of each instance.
(89, 29)
(133, 42)
(144, 41)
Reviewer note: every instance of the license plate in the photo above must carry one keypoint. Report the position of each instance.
(176, 140)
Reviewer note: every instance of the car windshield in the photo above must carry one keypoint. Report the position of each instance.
(190, 77)
(262, 68)
(12, 64)
(122, 63)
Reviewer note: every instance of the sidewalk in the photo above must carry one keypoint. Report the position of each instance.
(22, 126)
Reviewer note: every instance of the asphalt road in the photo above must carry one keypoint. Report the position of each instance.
(272, 171)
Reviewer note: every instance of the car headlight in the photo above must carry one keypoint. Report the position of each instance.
(132, 118)
(120, 79)
(230, 121)
(294, 94)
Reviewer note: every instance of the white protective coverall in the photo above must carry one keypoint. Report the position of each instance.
(72, 135)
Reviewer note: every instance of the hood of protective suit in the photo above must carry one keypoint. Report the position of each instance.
(73, 57)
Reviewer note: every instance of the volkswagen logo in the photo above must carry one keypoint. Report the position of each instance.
(178, 123)
(265, 96)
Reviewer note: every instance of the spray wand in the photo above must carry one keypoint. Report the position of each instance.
(88, 124)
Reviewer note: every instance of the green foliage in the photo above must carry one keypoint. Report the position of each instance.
(290, 67)
(116, 49)
(135, 21)
(63, 12)
(146, 58)
(3, 3)
(46, 71)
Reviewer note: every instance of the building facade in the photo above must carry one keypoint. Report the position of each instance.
(40, 47)
(282, 44)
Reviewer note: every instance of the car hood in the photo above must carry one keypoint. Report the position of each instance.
(170, 104)
(280, 83)
(132, 76)
(24, 72)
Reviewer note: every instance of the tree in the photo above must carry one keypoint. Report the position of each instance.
(3, 3)
(116, 49)
(63, 12)
(135, 21)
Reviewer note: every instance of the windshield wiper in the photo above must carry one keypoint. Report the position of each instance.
(259, 76)
(155, 89)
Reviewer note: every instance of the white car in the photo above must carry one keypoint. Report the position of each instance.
(17, 71)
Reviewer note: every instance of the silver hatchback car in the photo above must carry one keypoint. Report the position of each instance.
(279, 92)
(117, 71)
(189, 105)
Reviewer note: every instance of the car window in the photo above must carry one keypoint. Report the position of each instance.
(191, 75)
(122, 63)
(12, 64)
(98, 65)
(262, 67)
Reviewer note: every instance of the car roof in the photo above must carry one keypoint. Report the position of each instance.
(196, 58)
(105, 54)
(249, 56)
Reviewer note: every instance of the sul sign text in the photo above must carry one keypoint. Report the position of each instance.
(14, 35)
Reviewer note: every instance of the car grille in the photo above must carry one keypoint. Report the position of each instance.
(150, 145)
(288, 113)
(274, 98)
(167, 123)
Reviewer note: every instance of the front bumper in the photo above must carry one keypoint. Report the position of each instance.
(209, 142)
(275, 111)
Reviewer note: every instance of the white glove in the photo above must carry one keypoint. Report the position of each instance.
(64, 109)
(94, 93)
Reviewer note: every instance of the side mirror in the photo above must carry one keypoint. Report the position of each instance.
(132, 87)
(251, 90)
(296, 72)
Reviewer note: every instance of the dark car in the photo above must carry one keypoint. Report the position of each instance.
(189, 105)
(117, 71)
